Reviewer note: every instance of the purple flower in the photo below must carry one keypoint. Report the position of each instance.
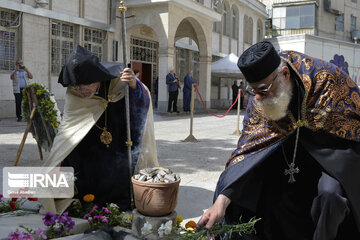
(15, 236)
(27, 236)
(40, 234)
(49, 219)
(103, 219)
(93, 209)
(1, 196)
(69, 223)
(106, 210)
(86, 216)
(59, 218)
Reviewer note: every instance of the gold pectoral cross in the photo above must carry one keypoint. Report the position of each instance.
(291, 171)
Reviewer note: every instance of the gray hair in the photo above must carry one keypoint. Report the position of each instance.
(282, 64)
(171, 68)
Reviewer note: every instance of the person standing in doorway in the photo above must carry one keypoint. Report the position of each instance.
(137, 75)
(20, 77)
(172, 83)
(156, 88)
(188, 82)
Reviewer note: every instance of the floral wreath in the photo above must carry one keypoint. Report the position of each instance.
(50, 113)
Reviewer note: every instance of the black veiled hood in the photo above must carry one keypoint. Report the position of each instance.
(83, 67)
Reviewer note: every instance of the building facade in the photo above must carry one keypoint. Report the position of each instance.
(320, 28)
(336, 19)
(186, 34)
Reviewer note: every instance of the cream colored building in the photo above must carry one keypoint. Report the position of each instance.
(185, 34)
(336, 19)
(319, 28)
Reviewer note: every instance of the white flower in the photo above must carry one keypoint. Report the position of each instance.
(168, 227)
(146, 229)
(165, 229)
(113, 205)
(161, 230)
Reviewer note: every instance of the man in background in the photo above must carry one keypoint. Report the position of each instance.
(235, 91)
(20, 77)
(188, 82)
(173, 84)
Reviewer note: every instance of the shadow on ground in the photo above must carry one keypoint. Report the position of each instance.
(188, 157)
(188, 207)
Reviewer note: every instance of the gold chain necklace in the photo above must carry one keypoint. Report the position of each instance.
(105, 136)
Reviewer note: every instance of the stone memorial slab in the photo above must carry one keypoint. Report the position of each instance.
(34, 221)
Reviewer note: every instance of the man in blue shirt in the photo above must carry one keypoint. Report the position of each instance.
(20, 77)
(188, 82)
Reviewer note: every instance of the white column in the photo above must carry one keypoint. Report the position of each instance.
(166, 60)
(205, 79)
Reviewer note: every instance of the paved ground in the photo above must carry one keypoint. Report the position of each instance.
(199, 164)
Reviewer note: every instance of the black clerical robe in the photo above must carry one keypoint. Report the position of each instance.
(329, 141)
(104, 171)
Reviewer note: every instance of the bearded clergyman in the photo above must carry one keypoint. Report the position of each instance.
(298, 159)
(92, 136)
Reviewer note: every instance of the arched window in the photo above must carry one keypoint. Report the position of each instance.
(216, 25)
(250, 29)
(245, 29)
(224, 20)
(259, 31)
(234, 30)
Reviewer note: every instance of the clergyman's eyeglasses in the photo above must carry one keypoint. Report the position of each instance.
(263, 91)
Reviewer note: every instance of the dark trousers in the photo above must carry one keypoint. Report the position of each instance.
(173, 101)
(187, 100)
(234, 99)
(329, 209)
(18, 101)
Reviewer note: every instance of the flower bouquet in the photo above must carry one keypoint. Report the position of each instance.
(56, 226)
(192, 232)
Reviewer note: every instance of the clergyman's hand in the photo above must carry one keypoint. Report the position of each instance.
(215, 213)
(127, 75)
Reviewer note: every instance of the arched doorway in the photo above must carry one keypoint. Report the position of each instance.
(192, 53)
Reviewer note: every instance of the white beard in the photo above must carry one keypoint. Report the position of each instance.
(275, 108)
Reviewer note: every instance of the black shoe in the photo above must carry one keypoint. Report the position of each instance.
(19, 119)
(177, 112)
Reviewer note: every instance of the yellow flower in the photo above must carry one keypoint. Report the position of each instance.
(190, 224)
(89, 198)
(190, 230)
(179, 219)
(130, 217)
